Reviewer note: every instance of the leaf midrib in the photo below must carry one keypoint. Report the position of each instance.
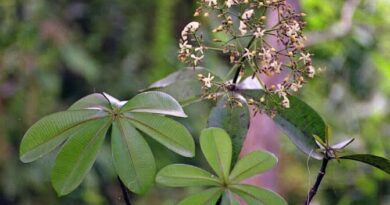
(246, 192)
(155, 130)
(128, 152)
(219, 160)
(246, 170)
(63, 131)
(195, 178)
(94, 138)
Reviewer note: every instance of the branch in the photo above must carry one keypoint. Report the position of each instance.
(316, 185)
(337, 30)
(238, 65)
(125, 193)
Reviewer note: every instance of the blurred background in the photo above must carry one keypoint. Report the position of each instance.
(54, 52)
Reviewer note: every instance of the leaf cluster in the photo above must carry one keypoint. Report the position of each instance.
(82, 128)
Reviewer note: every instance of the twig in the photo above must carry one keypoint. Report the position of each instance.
(320, 175)
(125, 193)
(238, 65)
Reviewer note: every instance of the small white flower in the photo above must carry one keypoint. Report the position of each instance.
(207, 80)
(305, 57)
(197, 59)
(286, 102)
(211, 2)
(310, 71)
(185, 47)
(242, 28)
(189, 28)
(276, 65)
(248, 54)
(292, 30)
(199, 49)
(247, 14)
(267, 56)
(230, 3)
(280, 90)
(259, 33)
(296, 86)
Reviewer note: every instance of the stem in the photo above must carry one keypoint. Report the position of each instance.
(125, 192)
(238, 65)
(219, 202)
(316, 185)
(236, 75)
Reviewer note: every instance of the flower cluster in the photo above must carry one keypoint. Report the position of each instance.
(246, 38)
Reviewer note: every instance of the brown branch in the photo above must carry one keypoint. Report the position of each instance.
(316, 185)
(337, 30)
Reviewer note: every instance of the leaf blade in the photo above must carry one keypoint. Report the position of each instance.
(133, 159)
(217, 149)
(49, 132)
(251, 164)
(373, 160)
(78, 155)
(92, 101)
(182, 175)
(207, 197)
(234, 120)
(166, 131)
(154, 102)
(300, 122)
(254, 195)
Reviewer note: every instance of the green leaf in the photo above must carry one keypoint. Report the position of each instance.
(78, 155)
(168, 132)
(217, 148)
(235, 120)
(376, 161)
(154, 102)
(182, 175)
(300, 122)
(251, 164)
(49, 132)
(132, 156)
(257, 196)
(92, 101)
(206, 197)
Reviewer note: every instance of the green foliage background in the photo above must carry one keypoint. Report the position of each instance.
(54, 52)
